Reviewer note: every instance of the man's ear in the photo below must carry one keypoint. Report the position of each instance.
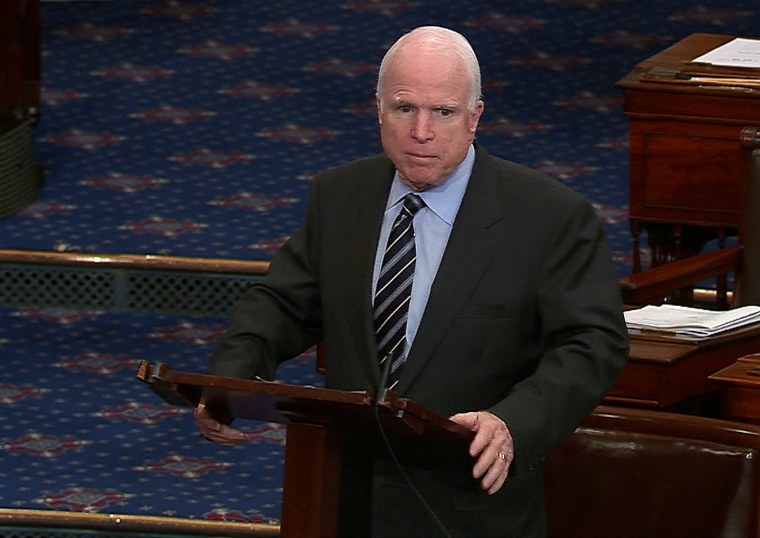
(476, 114)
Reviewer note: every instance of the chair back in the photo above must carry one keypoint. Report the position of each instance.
(635, 472)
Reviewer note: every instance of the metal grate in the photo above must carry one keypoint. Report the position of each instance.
(179, 292)
(17, 532)
(23, 285)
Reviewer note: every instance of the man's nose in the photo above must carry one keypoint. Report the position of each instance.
(422, 127)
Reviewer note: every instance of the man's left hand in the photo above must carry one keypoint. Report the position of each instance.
(492, 447)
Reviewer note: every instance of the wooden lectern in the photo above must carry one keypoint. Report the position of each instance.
(687, 165)
(316, 419)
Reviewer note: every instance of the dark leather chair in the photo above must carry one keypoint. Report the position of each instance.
(742, 261)
(639, 473)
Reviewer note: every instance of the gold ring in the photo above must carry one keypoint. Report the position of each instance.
(502, 456)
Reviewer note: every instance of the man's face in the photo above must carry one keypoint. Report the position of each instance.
(426, 127)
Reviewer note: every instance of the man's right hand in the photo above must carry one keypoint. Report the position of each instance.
(216, 431)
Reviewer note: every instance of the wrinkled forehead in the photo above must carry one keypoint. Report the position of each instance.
(426, 69)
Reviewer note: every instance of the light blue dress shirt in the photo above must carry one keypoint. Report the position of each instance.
(432, 227)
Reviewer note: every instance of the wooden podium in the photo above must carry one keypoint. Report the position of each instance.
(687, 163)
(316, 419)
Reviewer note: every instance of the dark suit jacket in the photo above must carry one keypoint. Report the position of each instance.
(524, 319)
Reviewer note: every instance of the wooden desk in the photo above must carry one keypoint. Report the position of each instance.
(741, 389)
(666, 372)
(687, 166)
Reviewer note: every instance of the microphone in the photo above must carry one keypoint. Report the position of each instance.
(381, 388)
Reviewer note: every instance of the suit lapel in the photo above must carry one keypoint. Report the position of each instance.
(472, 239)
(360, 242)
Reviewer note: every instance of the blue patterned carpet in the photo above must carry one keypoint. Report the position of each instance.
(78, 432)
(193, 128)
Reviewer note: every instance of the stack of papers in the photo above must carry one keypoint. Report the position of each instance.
(688, 321)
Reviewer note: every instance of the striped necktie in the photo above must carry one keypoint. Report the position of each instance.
(394, 289)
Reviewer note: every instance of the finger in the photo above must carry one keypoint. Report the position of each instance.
(494, 448)
(487, 434)
(215, 430)
(205, 422)
(498, 482)
(488, 459)
(468, 420)
(472, 421)
(497, 473)
(491, 446)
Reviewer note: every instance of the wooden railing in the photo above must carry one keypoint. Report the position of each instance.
(110, 524)
(134, 261)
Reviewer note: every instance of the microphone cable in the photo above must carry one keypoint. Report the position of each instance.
(381, 392)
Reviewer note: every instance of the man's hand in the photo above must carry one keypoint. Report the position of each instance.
(492, 447)
(215, 430)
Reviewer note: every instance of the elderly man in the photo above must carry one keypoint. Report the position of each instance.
(495, 301)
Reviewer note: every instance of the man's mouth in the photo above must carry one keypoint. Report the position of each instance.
(420, 157)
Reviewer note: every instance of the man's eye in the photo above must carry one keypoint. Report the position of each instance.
(405, 108)
(445, 112)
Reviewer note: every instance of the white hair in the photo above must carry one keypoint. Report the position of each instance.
(447, 41)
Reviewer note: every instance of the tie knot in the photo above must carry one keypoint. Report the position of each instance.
(413, 203)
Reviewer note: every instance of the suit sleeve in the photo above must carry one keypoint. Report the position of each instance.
(276, 318)
(585, 341)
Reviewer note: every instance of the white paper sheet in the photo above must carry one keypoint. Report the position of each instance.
(739, 52)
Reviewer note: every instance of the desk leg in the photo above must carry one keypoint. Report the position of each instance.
(311, 486)
(636, 233)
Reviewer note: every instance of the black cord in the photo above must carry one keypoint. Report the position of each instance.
(416, 492)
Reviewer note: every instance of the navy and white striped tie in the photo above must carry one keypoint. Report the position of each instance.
(394, 289)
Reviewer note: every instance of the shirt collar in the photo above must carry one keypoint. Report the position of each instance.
(444, 198)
